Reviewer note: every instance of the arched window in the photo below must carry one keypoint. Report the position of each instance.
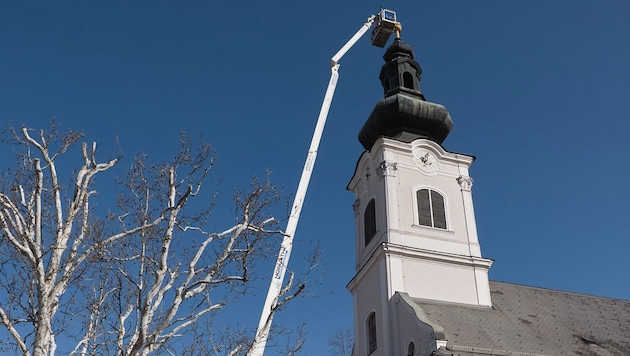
(411, 349)
(371, 332)
(431, 210)
(408, 80)
(369, 221)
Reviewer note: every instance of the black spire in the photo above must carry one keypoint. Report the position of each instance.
(404, 114)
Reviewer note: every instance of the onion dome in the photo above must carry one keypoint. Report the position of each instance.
(404, 114)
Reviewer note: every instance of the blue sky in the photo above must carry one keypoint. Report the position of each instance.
(538, 92)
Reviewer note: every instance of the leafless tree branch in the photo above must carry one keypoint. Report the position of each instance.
(131, 282)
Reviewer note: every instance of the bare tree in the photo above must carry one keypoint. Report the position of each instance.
(341, 342)
(130, 280)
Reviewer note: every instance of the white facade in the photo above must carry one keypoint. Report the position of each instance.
(429, 253)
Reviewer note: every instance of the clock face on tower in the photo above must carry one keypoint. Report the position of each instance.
(426, 161)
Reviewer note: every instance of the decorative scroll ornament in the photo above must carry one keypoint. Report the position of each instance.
(355, 207)
(387, 169)
(465, 183)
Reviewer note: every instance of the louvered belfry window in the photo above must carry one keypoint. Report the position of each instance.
(369, 221)
(431, 210)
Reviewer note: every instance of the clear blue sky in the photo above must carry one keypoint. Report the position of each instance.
(538, 92)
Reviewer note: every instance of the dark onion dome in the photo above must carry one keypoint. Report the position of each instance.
(404, 114)
(397, 49)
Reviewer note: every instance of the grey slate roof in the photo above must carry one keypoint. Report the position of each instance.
(534, 321)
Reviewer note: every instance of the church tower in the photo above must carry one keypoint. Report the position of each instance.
(416, 236)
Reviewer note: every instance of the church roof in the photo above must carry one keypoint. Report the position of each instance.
(533, 321)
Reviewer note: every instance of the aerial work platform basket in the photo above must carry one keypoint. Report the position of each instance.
(384, 26)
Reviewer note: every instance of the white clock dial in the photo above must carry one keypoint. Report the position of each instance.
(426, 161)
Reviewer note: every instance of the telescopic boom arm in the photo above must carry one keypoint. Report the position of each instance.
(386, 24)
(351, 42)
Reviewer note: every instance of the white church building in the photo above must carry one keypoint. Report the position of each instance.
(421, 285)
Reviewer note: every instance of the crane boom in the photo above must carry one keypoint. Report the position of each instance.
(280, 268)
(354, 39)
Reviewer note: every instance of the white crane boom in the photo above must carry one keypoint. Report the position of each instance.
(354, 39)
(277, 278)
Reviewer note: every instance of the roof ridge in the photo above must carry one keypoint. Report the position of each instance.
(558, 291)
(494, 352)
